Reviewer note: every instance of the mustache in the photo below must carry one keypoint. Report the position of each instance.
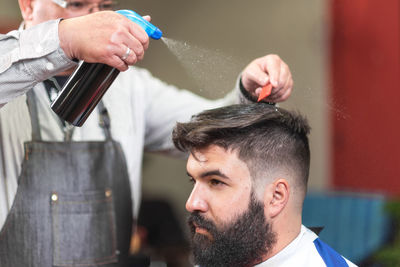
(196, 220)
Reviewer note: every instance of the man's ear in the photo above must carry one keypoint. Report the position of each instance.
(26, 7)
(276, 197)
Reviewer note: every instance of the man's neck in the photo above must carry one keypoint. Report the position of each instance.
(286, 232)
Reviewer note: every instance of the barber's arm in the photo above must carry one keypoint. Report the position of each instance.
(261, 71)
(30, 56)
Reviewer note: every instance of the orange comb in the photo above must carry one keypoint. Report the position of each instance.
(265, 92)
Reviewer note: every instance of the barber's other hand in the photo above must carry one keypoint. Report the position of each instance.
(103, 37)
(268, 69)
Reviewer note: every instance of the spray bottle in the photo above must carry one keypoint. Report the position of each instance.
(88, 83)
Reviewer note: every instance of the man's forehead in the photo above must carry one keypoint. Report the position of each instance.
(198, 155)
(213, 158)
(211, 152)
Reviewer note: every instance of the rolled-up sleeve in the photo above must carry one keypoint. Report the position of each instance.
(28, 57)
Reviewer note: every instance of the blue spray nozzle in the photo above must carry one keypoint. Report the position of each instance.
(150, 29)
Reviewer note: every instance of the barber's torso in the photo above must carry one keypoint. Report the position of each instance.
(127, 128)
(73, 203)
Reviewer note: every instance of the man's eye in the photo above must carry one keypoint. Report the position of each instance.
(191, 180)
(108, 6)
(216, 182)
(76, 4)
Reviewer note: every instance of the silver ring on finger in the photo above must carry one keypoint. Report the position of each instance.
(126, 55)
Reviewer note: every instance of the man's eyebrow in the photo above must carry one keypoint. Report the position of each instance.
(210, 173)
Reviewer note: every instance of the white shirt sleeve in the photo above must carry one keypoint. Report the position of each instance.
(28, 57)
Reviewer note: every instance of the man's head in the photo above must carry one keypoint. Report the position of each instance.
(38, 11)
(249, 165)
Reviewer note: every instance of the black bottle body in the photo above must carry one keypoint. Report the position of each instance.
(82, 91)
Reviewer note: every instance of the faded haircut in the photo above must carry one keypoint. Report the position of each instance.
(265, 137)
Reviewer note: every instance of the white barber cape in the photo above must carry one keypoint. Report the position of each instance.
(307, 250)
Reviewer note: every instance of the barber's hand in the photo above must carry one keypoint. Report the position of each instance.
(268, 69)
(103, 37)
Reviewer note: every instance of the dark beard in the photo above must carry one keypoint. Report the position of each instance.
(241, 243)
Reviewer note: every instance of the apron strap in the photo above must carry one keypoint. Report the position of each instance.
(104, 120)
(32, 106)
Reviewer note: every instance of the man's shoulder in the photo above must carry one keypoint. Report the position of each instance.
(330, 256)
(307, 250)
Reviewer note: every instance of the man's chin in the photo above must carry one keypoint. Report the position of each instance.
(244, 241)
(201, 241)
(202, 237)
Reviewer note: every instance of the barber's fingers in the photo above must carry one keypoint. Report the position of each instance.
(129, 56)
(118, 63)
(284, 84)
(128, 35)
(280, 77)
(286, 89)
(283, 94)
(119, 58)
(136, 46)
(256, 76)
(139, 34)
(147, 17)
(124, 40)
(133, 36)
(262, 71)
(271, 64)
(286, 95)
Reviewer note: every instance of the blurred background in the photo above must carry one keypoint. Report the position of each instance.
(345, 61)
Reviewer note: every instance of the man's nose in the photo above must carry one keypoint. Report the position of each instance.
(196, 201)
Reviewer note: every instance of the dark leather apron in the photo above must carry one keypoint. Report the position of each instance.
(73, 204)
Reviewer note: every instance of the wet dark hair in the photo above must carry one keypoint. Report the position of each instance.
(265, 137)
